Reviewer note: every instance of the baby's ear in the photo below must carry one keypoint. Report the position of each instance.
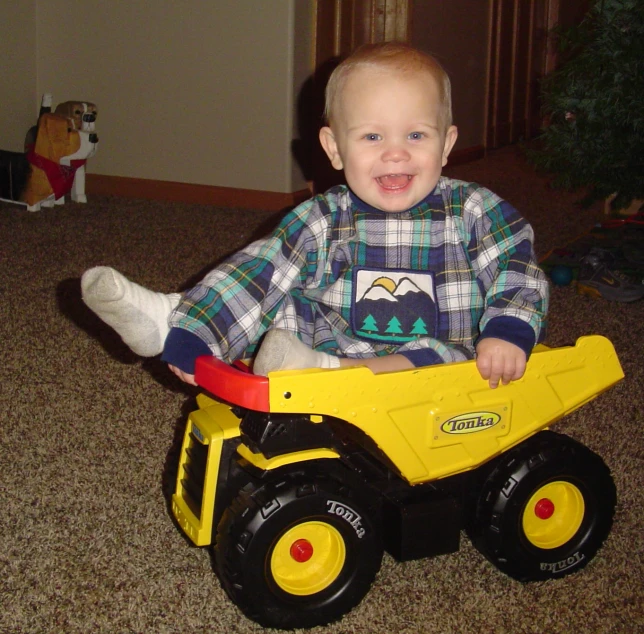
(450, 139)
(330, 146)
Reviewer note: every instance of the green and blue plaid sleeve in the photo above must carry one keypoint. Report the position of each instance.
(501, 252)
(239, 299)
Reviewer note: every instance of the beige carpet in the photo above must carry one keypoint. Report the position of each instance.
(89, 438)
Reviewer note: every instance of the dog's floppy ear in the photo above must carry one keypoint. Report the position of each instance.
(74, 110)
(55, 137)
(67, 108)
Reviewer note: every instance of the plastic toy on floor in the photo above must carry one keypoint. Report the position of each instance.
(53, 164)
(561, 275)
(300, 480)
(605, 263)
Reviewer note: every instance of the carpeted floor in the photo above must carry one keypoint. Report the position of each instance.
(89, 434)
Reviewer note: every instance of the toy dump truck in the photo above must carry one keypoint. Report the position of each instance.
(300, 480)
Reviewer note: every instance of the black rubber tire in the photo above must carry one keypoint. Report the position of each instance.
(251, 528)
(498, 529)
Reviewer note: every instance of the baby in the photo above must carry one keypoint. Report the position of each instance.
(401, 268)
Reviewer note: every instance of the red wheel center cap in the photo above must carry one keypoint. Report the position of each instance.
(544, 509)
(301, 550)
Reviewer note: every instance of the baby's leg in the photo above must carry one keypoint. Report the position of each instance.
(139, 315)
(282, 350)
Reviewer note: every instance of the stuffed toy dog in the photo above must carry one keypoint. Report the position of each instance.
(58, 163)
(54, 165)
(82, 114)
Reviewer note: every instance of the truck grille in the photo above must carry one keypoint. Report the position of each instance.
(194, 474)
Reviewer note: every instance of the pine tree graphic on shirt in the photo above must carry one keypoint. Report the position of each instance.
(403, 301)
(369, 324)
(420, 328)
(393, 327)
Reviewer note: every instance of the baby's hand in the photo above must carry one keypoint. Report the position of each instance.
(499, 360)
(184, 376)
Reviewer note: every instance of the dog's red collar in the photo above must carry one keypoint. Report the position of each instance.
(60, 177)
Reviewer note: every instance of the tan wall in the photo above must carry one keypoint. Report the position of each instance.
(195, 91)
(456, 32)
(202, 91)
(17, 72)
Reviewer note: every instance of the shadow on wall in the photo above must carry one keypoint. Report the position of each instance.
(306, 149)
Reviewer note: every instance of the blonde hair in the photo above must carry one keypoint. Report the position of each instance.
(393, 56)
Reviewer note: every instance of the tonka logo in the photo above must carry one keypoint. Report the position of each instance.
(348, 514)
(470, 423)
(564, 564)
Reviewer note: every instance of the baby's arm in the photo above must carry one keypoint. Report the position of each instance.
(515, 289)
(499, 360)
(228, 311)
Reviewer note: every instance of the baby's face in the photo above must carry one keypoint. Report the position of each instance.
(386, 135)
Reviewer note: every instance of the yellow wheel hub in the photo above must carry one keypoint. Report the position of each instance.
(553, 514)
(308, 558)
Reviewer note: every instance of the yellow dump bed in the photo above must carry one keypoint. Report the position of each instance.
(436, 421)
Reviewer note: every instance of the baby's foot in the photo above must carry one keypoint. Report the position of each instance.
(139, 315)
(282, 350)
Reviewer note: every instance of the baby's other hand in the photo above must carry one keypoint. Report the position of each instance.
(499, 360)
(184, 376)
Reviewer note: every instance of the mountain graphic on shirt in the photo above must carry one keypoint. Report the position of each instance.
(395, 312)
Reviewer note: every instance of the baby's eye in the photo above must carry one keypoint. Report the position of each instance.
(416, 136)
(372, 137)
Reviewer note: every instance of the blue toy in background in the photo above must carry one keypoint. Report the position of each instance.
(561, 275)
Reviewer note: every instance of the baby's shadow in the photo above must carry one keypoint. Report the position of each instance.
(71, 305)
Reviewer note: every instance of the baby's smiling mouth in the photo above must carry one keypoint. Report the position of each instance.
(394, 181)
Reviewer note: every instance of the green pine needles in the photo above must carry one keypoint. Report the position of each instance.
(594, 103)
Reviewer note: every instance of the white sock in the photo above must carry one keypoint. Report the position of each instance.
(282, 350)
(139, 315)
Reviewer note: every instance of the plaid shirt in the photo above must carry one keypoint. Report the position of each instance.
(473, 248)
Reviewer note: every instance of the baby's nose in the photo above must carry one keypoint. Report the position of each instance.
(395, 152)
